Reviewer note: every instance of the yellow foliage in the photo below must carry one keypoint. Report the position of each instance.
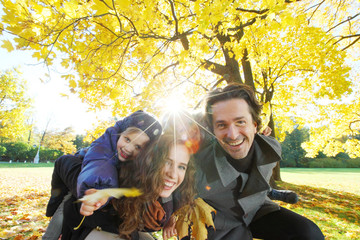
(7, 44)
(14, 106)
(131, 54)
(196, 218)
(62, 141)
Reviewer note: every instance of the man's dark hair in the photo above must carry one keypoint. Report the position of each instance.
(231, 91)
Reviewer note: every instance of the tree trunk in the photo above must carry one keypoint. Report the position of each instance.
(249, 80)
(276, 171)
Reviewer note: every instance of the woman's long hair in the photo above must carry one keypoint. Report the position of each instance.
(146, 173)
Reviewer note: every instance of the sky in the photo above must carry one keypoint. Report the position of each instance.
(49, 105)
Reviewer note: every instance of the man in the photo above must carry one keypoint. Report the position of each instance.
(234, 170)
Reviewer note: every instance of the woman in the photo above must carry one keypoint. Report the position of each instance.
(164, 173)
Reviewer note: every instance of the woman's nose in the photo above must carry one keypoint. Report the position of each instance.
(171, 171)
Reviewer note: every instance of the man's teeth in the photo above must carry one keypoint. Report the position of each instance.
(236, 143)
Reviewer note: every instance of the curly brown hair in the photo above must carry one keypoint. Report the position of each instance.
(146, 173)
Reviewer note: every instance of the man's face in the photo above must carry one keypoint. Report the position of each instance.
(234, 127)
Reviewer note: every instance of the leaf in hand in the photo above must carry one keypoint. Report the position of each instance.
(196, 217)
(111, 192)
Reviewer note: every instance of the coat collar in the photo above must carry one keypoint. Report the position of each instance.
(225, 170)
(267, 150)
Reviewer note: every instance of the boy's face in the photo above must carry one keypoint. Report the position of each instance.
(130, 144)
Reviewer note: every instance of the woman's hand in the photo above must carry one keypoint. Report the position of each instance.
(87, 207)
(169, 229)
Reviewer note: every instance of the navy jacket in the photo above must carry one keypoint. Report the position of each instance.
(100, 165)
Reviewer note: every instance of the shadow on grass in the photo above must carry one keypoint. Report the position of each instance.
(341, 205)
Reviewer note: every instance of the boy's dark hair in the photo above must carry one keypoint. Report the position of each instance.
(233, 91)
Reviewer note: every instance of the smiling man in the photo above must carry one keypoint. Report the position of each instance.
(234, 169)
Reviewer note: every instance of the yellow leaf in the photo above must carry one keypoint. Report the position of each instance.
(111, 192)
(7, 44)
(197, 217)
(72, 83)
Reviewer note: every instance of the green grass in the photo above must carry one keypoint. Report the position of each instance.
(338, 179)
(25, 165)
(329, 197)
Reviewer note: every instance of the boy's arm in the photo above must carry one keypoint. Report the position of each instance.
(99, 166)
(97, 174)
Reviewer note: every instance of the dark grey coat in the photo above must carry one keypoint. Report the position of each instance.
(237, 197)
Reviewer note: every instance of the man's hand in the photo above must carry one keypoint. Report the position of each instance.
(169, 229)
(87, 207)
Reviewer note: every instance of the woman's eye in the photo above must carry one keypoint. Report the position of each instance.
(182, 168)
(127, 139)
(137, 147)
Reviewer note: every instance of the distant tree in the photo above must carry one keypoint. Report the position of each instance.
(60, 140)
(80, 143)
(14, 104)
(17, 150)
(49, 154)
(2, 151)
(292, 152)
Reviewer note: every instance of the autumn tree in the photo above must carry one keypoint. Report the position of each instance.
(14, 106)
(131, 54)
(60, 140)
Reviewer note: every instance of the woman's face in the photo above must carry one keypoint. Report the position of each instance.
(175, 168)
(130, 144)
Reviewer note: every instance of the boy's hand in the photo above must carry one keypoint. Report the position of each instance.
(87, 207)
(267, 131)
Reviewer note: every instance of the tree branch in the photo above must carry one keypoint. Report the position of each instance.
(174, 16)
(352, 43)
(347, 20)
(164, 69)
(313, 13)
(351, 123)
(215, 67)
(252, 11)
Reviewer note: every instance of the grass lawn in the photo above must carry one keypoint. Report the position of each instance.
(25, 165)
(329, 197)
(338, 179)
